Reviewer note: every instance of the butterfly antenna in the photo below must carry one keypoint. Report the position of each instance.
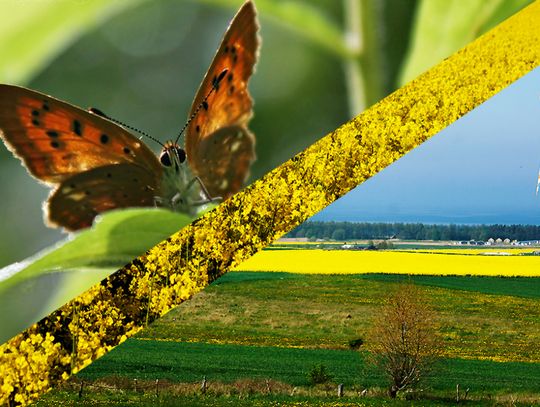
(204, 103)
(127, 126)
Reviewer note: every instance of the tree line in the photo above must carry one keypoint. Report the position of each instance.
(413, 231)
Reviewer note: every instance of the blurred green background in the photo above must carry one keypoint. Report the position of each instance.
(321, 63)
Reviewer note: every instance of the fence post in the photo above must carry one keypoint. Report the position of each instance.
(81, 390)
(457, 393)
(157, 387)
(204, 384)
(466, 393)
(340, 390)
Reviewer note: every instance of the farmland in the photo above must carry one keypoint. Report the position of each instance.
(150, 360)
(439, 262)
(255, 327)
(326, 312)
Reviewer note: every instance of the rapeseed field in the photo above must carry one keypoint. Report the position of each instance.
(441, 262)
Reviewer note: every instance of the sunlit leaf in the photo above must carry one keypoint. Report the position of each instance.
(444, 26)
(33, 33)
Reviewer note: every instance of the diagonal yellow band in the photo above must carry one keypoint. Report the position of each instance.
(108, 313)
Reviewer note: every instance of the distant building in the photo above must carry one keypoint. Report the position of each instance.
(293, 239)
(528, 243)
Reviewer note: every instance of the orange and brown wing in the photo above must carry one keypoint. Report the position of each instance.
(230, 105)
(56, 140)
(226, 157)
(76, 201)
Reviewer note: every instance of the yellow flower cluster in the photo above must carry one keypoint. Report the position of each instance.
(21, 354)
(89, 326)
(61, 344)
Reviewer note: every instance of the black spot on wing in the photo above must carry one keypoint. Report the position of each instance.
(77, 127)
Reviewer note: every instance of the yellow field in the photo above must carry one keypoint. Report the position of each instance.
(349, 261)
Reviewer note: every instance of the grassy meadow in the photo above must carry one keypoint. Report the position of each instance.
(255, 336)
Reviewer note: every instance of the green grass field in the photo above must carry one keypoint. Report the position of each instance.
(318, 311)
(258, 326)
(526, 287)
(190, 362)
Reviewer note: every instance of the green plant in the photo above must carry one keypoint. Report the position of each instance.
(356, 343)
(319, 375)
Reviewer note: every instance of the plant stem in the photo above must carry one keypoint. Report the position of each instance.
(352, 65)
(363, 69)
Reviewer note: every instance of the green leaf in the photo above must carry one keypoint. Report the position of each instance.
(43, 283)
(33, 33)
(444, 26)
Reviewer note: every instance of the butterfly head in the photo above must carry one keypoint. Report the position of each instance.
(180, 189)
(172, 156)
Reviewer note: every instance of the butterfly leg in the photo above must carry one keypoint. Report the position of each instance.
(158, 201)
(207, 197)
(203, 188)
(184, 202)
(207, 201)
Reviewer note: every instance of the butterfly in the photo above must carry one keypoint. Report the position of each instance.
(94, 164)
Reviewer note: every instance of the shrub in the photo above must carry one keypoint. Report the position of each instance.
(356, 343)
(319, 375)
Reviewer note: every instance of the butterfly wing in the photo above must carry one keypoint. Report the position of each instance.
(76, 202)
(94, 164)
(56, 140)
(227, 154)
(225, 116)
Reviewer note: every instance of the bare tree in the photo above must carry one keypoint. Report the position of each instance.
(404, 341)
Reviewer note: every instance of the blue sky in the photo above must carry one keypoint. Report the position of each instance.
(481, 169)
